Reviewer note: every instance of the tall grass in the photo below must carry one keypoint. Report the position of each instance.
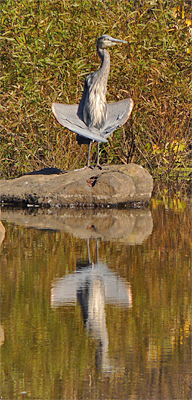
(48, 48)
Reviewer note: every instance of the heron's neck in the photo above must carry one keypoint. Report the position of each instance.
(105, 65)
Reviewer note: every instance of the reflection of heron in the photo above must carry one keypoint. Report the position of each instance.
(91, 297)
(93, 119)
(93, 285)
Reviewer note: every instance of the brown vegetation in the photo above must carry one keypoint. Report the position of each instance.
(48, 48)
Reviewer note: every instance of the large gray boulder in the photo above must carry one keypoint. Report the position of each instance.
(114, 185)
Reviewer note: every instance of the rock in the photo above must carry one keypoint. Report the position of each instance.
(114, 185)
(128, 226)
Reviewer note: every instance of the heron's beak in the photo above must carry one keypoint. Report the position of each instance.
(114, 41)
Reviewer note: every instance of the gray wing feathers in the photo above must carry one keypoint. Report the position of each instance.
(117, 114)
(67, 115)
(70, 116)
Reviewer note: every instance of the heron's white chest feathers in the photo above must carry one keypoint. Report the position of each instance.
(95, 110)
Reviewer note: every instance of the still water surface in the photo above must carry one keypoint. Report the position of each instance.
(96, 304)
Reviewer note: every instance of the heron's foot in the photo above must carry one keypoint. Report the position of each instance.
(99, 166)
(90, 166)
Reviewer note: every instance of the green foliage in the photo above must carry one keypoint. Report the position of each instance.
(48, 48)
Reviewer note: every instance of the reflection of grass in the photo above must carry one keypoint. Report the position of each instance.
(47, 50)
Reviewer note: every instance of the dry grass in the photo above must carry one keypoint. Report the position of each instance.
(48, 47)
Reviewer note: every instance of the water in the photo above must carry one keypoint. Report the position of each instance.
(96, 304)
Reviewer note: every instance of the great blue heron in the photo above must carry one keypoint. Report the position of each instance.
(93, 119)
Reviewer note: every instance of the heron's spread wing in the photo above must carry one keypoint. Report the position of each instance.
(117, 114)
(70, 116)
(67, 115)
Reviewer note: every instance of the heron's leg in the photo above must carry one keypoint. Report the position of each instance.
(99, 166)
(97, 251)
(88, 251)
(88, 162)
(97, 153)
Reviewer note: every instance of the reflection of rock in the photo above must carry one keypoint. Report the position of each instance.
(128, 226)
(2, 335)
(2, 232)
(114, 184)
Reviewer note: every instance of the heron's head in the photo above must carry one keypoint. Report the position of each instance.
(106, 41)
